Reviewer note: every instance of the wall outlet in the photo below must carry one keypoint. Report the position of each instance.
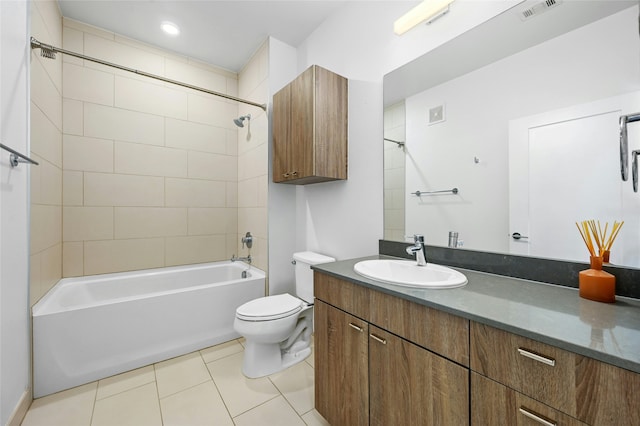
(436, 114)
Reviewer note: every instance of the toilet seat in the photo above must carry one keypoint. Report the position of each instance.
(269, 308)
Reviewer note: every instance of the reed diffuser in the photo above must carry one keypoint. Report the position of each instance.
(594, 283)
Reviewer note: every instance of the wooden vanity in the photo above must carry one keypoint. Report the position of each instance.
(383, 359)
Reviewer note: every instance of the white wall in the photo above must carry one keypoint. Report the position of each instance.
(14, 220)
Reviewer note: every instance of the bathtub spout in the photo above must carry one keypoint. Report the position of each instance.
(234, 258)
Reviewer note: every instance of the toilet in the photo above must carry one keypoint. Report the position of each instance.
(278, 328)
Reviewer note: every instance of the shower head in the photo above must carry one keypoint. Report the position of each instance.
(240, 120)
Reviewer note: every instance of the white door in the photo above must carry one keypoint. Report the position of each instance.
(564, 168)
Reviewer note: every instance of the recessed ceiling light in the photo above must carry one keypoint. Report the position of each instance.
(170, 28)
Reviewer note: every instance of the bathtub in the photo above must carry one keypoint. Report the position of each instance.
(89, 328)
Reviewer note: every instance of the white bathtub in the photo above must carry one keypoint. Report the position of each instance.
(89, 328)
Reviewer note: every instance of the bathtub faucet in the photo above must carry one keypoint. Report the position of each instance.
(234, 258)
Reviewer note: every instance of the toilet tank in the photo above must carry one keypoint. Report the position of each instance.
(304, 274)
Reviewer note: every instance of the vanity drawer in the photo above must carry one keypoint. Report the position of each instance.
(495, 404)
(589, 390)
(438, 331)
(342, 294)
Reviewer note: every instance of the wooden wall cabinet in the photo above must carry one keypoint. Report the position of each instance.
(310, 128)
(367, 375)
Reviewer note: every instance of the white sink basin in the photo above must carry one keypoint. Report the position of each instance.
(407, 273)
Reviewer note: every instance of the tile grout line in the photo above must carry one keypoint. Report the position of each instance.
(216, 385)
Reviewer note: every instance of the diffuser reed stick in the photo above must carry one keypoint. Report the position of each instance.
(591, 231)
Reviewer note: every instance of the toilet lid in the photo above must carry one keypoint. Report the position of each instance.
(269, 308)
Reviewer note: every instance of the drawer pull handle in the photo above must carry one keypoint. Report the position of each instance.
(538, 418)
(379, 339)
(536, 357)
(352, 325)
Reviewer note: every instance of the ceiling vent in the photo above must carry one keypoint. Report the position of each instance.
(538, 8)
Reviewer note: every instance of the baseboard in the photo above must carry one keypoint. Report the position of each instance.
(21, 409)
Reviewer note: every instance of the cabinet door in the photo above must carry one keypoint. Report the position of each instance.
(341, 366)
(408, 385)
(301, 136)
(281, 133)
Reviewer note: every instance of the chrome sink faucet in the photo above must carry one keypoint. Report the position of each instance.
(418, 249)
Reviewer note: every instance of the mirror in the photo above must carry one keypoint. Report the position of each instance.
(520, 115)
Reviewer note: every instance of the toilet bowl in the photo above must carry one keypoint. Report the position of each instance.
(278, 328)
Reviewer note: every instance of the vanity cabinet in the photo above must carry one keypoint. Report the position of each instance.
(310, 128)
(516, 380)
(376, 364)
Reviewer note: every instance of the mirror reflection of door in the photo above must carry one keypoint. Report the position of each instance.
(547, 152)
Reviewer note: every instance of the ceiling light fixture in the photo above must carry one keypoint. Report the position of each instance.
(428, 10)
(170, 28)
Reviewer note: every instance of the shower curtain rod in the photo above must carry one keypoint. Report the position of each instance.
(48, 51)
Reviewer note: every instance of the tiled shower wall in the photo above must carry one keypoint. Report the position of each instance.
(136, 173)
(46, 149)
(394, 167)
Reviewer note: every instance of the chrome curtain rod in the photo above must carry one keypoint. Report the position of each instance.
(48, 51)
(16, 158)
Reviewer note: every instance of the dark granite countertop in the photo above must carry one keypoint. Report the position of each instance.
(548, 313)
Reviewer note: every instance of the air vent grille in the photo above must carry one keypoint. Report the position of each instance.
(538, 8)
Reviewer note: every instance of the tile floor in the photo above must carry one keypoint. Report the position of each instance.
(201, 388)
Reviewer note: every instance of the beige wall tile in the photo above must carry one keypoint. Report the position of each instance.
(87, 154)
(86, 28)
(73, 40)
(124, 125)
(41, 32)
(34, 187)
(36, 290)
(195, 193)
(213, 166)
(132, 158)
(195, 249)
(87, 223)
(51, 267)
(86, 84)
(46, 227)
(50, 184)
(195, 75)
(203, 221)
(254, 220)
(253, 163)
(147, 222)
(101, 189)
(213, 111)
(72, 188)
(194, 136)
(44, 94)
(122, 255)
(72, 117)
(122, 54)
(248, 193)
(46, 138)
(232, 194)
(73, 259)
(150, 97)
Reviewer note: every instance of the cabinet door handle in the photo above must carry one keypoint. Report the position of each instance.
(379, 339)
(352, 325)
(294, 173)
(536, 357)
(285, 175)
(537, 417)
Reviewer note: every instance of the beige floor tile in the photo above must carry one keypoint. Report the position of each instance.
(239, 393)
(199, 405)
(296, 384)
(135, 407)
(222, 350)
(180, 373)
(73, 407)
(313, 418)
(311, 358)
(125, 381)
(273, 412)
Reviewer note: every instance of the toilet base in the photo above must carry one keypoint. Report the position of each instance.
(263, 359)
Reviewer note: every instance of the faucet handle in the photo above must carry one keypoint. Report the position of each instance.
(418, 238)
(248, 239)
